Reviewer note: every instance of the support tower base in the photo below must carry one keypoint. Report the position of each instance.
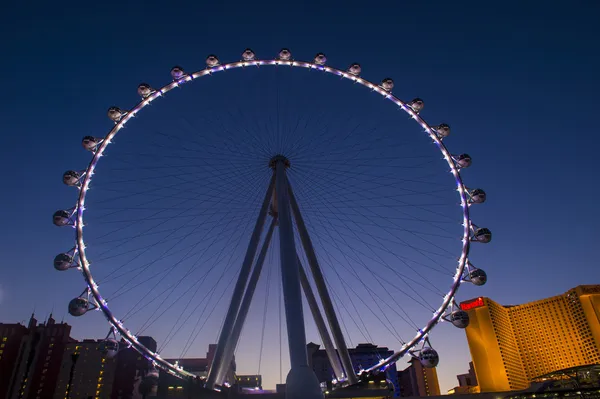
(302, 383)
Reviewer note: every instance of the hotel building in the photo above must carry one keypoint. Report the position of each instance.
(511, 345)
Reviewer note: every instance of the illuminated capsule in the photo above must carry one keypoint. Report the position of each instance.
(90, 142)
(478, 277)
(442, 130)
(78, 306)
(354, 69)
(478, 196)
(248, 55)
(463, 160)
(71, 178)
(63, 262)
(109, 347)
(152, 373)
(115, 114)
(61, 218)
(320, 59)
(212, 61)
(417, 105)
(429, 357)
(483, 235)
(459, 318)
(145, 90)
(387, 84)
(285, 54)
(177, 72)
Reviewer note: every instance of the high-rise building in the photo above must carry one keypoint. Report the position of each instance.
(35, 371)
(85, 372)
(511, 345)
(11, 336)
(417, 380)
(363, 356)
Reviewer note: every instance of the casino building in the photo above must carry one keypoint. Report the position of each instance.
(512, 345)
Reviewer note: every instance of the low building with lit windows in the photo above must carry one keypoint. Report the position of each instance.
(363, 356)
(170, 386)
(417, 380)
(512, 345)
(85, 372)
(249, 382)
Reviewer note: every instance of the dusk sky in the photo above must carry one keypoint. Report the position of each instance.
(517, 81)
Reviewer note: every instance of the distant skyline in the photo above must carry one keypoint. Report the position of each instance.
(516, 81)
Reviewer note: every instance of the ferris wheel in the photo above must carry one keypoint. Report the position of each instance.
(276, 164)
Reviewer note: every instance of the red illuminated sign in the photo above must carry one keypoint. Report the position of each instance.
(472, 304)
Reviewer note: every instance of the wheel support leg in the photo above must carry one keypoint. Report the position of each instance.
(301, 382)
(239, 289)
(334, 360)
(334, 323)
(245, 306)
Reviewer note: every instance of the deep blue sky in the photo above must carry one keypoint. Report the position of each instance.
(517, 81)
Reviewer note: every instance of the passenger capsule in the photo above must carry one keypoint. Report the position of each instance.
(442, 130)
(285, 54)
(463, 160)
(248, 55)
(63, 262)
(354, 69)
(71, 178)
(78, 306)
(478, 277)
(90, 142)
(429, 357)
(477, 196)
(177, 72)
(61, 218)
(109, 347)
(212, 61)
(417, 105)
(145, 90)
(482, 235)
(115, 114)
(459, 318)
(387, 84)
(152, 373)
(320, 59)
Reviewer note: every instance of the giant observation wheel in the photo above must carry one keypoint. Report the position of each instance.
(350, 202)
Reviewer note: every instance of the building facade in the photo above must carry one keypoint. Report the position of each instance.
(468, 379)
(35, 372)
(11, 336)
(511, 345)
(363, 356)
(467, 383)
(417, 380)
(85, 372)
